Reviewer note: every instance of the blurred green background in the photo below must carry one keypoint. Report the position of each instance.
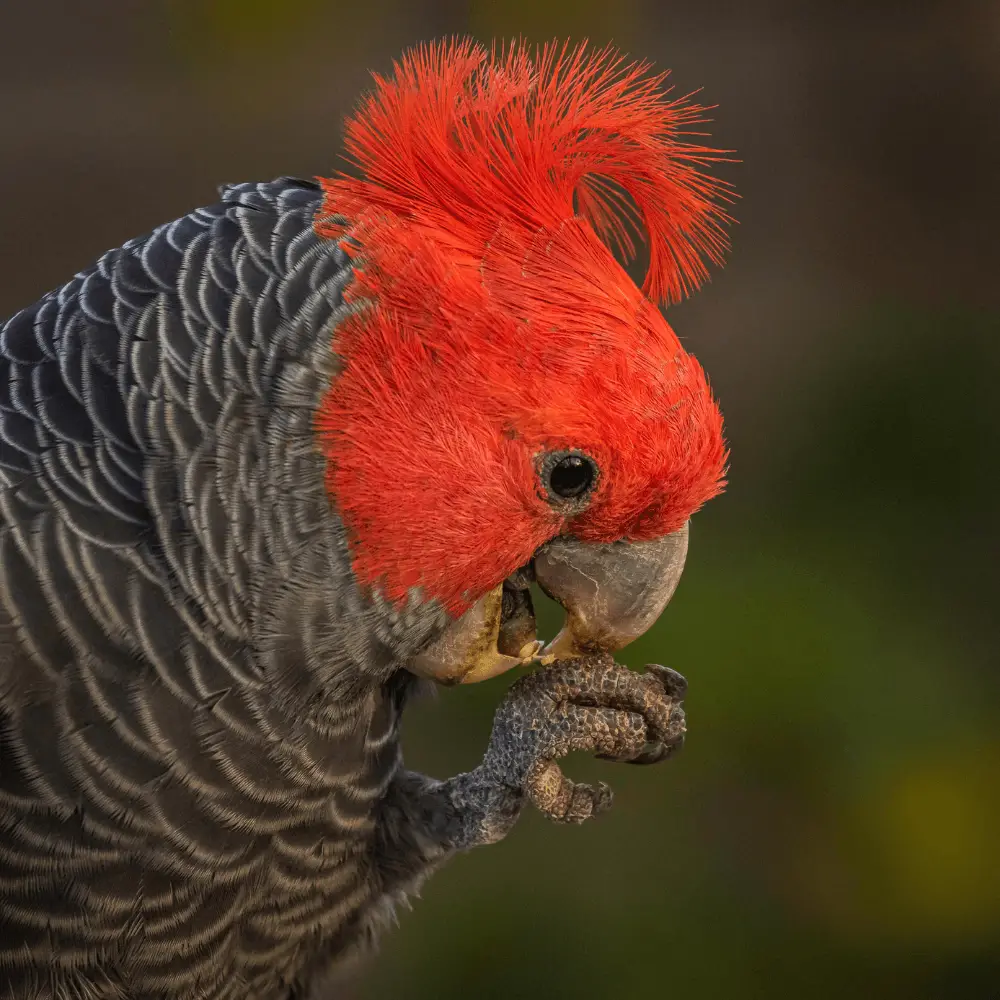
(832, 826)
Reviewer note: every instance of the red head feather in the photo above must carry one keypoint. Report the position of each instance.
(494, 323)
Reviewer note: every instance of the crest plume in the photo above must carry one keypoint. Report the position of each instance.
(461, 141)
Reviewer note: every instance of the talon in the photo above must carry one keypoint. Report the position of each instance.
(586, 801)
(654, 753)
(603, 797)
(675, 684)
(564, 800)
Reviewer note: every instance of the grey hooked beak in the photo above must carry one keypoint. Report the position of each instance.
(612, 594)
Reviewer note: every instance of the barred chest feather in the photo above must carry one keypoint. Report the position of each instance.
(198, 710)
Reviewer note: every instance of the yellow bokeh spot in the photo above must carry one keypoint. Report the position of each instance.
(938, 827)
(912, 862)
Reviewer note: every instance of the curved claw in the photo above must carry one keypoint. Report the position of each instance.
(654, 753)
(563, 800)
(663, 743)
(657, 753)
(672, 681)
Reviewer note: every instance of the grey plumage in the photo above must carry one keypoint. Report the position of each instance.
(200, 784)
(174, 615)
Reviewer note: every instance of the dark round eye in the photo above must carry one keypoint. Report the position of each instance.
(571, 476)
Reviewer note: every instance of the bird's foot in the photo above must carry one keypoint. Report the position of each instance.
(591, 704)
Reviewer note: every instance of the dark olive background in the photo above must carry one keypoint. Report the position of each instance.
(832, 826)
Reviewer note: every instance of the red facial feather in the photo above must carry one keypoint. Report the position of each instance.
(493, 322)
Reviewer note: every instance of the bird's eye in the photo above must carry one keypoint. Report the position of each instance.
(571, 476)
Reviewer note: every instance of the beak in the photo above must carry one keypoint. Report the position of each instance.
(612, 594)
(495, 635)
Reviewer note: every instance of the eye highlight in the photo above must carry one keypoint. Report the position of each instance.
(568, 475)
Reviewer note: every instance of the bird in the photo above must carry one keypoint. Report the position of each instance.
(272, 467)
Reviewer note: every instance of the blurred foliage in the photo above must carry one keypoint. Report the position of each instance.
(539, 22)
(212, 37)
(252, 57)
(832, 823)
(231, 29)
